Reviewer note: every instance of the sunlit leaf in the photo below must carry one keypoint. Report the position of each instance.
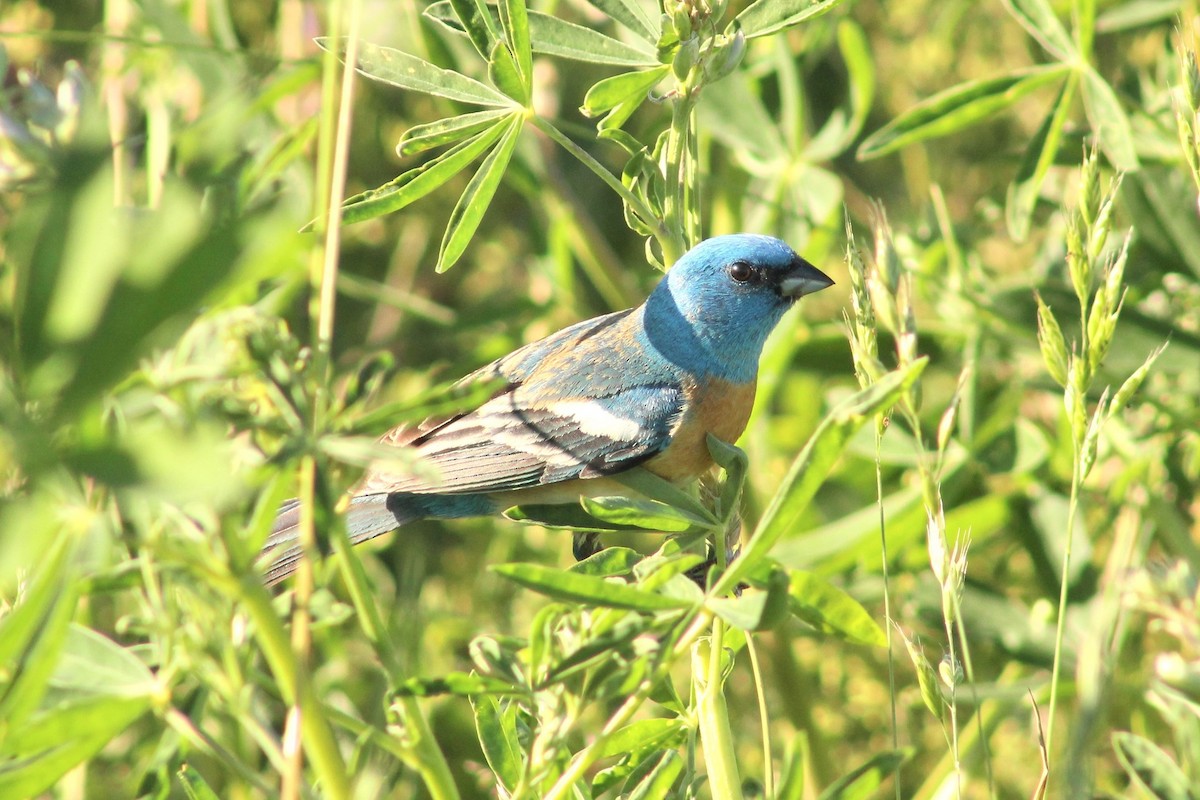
(420, 138)
(497, 730)
(554, 36)
(647, 514)
(477, 197)
(830, 610)
(420, 181)
(586, 588)
(514, 20)
(405, 71)
(506, 75)
(771, 16)
(956, 109)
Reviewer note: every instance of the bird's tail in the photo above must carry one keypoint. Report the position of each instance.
(367, 517)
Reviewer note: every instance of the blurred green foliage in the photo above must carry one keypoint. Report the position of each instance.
(161, 382)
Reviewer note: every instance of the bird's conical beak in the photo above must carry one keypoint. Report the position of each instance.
(803, 279)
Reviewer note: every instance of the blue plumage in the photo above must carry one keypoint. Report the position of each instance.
(644, 386)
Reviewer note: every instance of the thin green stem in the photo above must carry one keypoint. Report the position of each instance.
(764, 718)
(713, 715)
(1063, 589)
(887, 597)
(675, 208)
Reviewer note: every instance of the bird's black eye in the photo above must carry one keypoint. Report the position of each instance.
(741, 272)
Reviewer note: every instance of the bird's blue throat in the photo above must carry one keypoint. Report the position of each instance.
(724, 342)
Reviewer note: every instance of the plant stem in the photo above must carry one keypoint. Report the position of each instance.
(887, 596)
(1063, 589)
(675, 209)
(715, 735)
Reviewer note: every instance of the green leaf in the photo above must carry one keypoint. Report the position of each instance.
(1150, 768)
(479, 25)
(771, 16)
(736, 115)
(813, 464)
(650, 486)
(420, 181)
(1038, 19)
(1039, 156)
(92, 663)
(647, 514)
(644, 736)
(476, 198)
(1109, 122)
(655, 783)
(32, 636)
(586, 588)
(1137, 14)
(461, 684)
(861, 783)
(628, 87)
(497, 729)
(563, 517)
(609, 561)
(397, 68)
(58, 740)
(514, 21)
(632, 14)
(756, 609)
(97, 689)
(554, 36)
(420, 138)
(504, 72)
(956, 109)
(830, 610)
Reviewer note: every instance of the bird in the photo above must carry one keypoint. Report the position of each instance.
(640, 387)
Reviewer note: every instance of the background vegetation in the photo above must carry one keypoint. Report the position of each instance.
(1006, 194)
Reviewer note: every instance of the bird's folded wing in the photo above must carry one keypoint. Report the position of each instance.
(521, 439)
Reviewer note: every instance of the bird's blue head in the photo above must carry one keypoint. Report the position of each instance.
(713, 311)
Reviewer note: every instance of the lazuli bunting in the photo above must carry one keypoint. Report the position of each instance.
(643, 387)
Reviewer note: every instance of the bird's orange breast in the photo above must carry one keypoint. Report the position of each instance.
(719, 407)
